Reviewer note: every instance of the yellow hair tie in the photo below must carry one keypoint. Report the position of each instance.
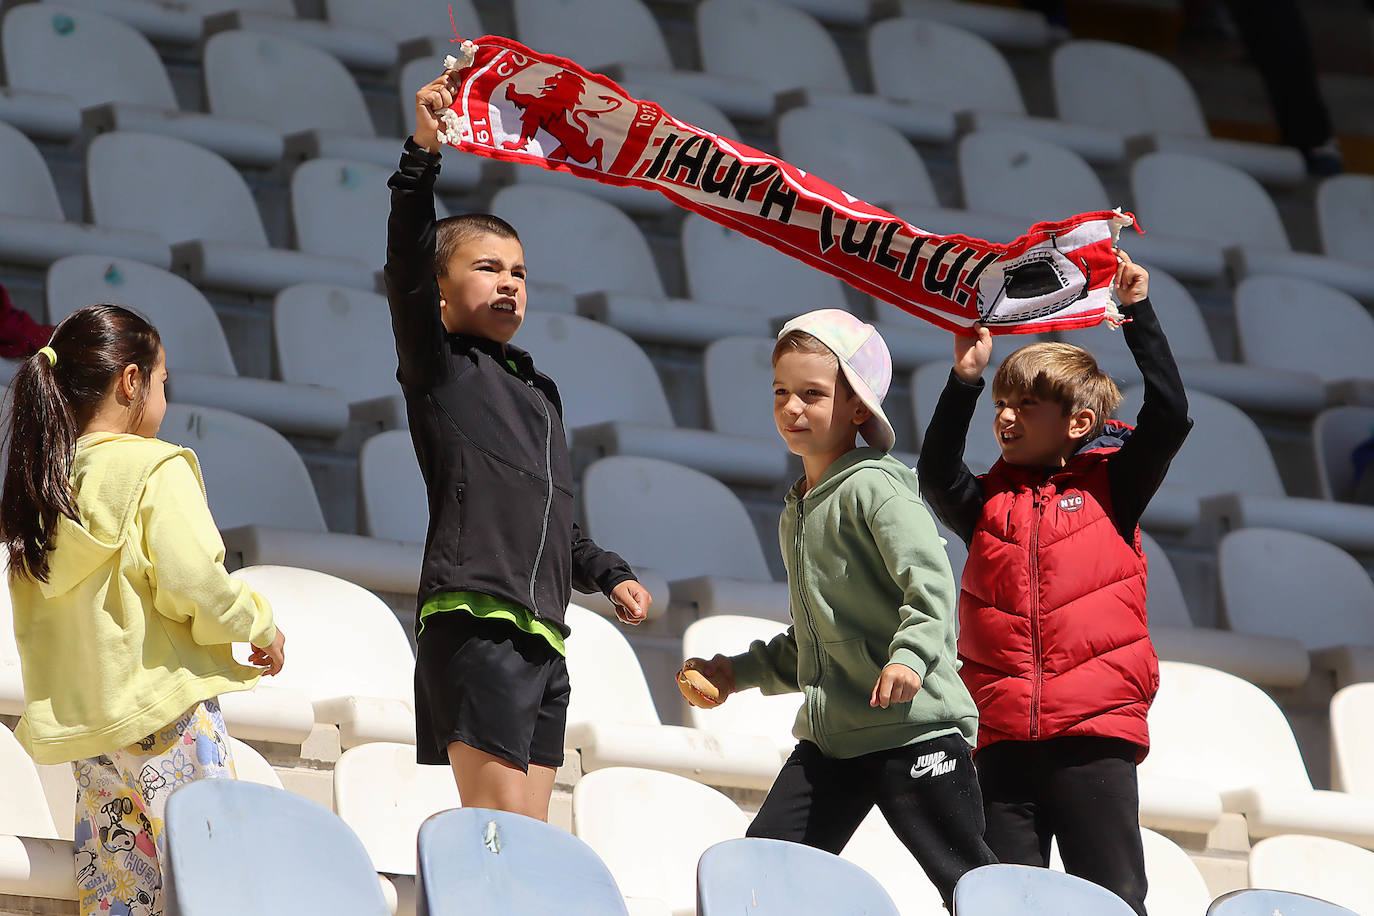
(50, 353)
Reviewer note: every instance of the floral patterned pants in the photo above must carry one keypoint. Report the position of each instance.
(120, 800)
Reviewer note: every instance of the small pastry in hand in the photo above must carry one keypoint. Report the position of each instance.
(697, 688)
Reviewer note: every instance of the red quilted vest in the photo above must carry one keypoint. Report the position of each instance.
(1052, 625)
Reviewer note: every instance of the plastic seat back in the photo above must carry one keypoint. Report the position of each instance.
(1336, 432)
(26, 185)
(748, 712)
(738, 375)
(404, 21)
(579, 241)
(340, 208)
(1337, 872)
(602, 374)
(1164, 598)
(1031, 891)
(169, 187)
(1174, 883)
(980, 448)
(1352, 740)
(769, 43)
(608, 685)
(1254, 901)
(1345, 216)
(55, 49)
(252, 474)
(479, 860)
(1091, 77)
(185, 320)
(855, 153)
(876, 849)
(335, 336)
(328, 618)
(1250, 746)
(1266, 575)
(1190, 197)
(1031, 179)
(1178, 312)
(726, 268)
(942, 64)
(709, 532)
(384, 796)
(777, 877)
(651, 828)
(23, 808)
(1303, 326)
(593, 32)
(294, 855)
(246, 72)
(1206, 464)
(392, 499)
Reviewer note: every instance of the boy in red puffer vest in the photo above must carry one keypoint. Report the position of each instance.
(1053, 635)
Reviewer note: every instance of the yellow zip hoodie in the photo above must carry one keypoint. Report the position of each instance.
(134, 625)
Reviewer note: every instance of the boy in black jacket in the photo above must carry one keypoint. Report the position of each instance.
(491, 684)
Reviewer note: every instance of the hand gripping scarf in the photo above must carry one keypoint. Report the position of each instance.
(518, 105)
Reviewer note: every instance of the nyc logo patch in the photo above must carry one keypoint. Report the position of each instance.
(1071, 502)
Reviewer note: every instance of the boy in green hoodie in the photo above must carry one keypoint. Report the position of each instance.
(887, 720)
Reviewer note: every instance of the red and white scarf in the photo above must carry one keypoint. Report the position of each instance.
(518, 105)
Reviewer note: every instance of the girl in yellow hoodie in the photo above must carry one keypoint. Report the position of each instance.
(123, 612)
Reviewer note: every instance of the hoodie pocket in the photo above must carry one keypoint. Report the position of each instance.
(848, 682)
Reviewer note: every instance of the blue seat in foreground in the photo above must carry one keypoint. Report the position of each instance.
(1260, 902)
(776, 878)
(283, 854)
(995, 890)
(476, 860)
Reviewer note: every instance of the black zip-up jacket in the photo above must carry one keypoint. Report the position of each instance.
(491, 443)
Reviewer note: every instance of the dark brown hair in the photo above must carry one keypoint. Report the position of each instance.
(1064, 374)
(453, 231)
(49, 404)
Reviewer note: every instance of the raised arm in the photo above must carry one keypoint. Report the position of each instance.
(1138, 468)
(411, 289)
(948, 486)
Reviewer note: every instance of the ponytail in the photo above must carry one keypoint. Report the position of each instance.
(51, 399)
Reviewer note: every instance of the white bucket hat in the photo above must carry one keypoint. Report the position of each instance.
(864, 360)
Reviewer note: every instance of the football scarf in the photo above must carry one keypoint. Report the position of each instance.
(518, 105)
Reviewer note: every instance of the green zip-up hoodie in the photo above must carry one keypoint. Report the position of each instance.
(870, 586)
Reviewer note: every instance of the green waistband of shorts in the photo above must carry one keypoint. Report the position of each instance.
(489, 608)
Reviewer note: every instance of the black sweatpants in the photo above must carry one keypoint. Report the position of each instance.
(928, 792)
(1081, 790)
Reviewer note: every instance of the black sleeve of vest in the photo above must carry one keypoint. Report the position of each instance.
(412, 292)
(594, 569)
(947, 485)
(1138, 468)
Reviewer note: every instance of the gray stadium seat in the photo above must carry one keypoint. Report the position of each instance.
(1092, 77)
(198, 203)
(1266, 575)
(300, 855)
(33, 230)
(1254, 901)
(202, 369)
(1214, 206)
(996, 889)
(857, 154)
(940, 64)
(1009, 27)
(46, 112)
(713, 559)
(1332, 871)
(1335, 433)
(419, 24)
(777, 878)
(1345, 219)
(786, 51)
(614, 404)
(266, 508)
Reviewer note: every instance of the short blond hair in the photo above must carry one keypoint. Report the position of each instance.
(1063, 373)
(802, 342)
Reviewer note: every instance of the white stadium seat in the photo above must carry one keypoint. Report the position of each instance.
(928, 381)
(1352, 740)
(384, 796)
(266, 508)
(785, 51)
(1175, 886)
(202, 369)
(856, 153)
(1245, 751)
(197, 202)
(1335, 434)
(323, 616)
(876, 849)
(1009, 27)
(612, 720)
(1345, 218)
(33, 229)
(391, 493)
(1318, 867)
(1213, 206)
(1091, 77)
(939, 64)
(1267, 575)
(613, 403)
(650, 829)
(709, 552)
(426, 22)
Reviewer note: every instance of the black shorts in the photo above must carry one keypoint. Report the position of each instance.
(491, 686)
